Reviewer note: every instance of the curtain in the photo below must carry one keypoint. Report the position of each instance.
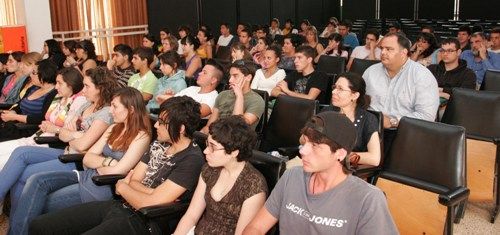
(7, 12)
(127, 13)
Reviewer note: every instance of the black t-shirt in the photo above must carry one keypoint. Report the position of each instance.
(366, 124)
(182, 168)
(302, 84)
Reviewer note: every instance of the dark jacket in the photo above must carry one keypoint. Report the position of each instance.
(460, 76)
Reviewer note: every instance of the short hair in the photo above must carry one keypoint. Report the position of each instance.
(207, 33)
(174, 44)
(54, 47)
(124, 49)
(17, 55)
(191, 40)
(451, 41)
(88, 47)
(430, 28)
(184, 28)
(346, 23)
(403, 41)
(166, 30)
(233, 133)
(246, 67)
(226, 24)
(307, 51)
(306, 22)
(180, 111)
(47, 71)
(73, 78)
(71, 45)
(105, 82)
(394, 25)
(477, 28)
(295, 39)
(171, 58)
(246, 31)
(465, 28)
(260, 27)
(478, 34)
(495, 30)
(145, 53)
(219, 70)
(289, 21)
(373, 32)
(276, 20)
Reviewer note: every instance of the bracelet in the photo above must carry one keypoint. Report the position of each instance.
(109, 163)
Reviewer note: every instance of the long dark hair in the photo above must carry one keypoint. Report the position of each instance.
(431, 39)
(54, 47)
(338, 38)
(357, 84)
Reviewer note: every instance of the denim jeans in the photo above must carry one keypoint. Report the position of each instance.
(23, 163)
(46, 191)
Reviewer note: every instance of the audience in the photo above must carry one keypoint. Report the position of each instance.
(117, 151)
(290, 43)
(335, 47)
(479, 59)
(269, 75)
(324, 187)
(192, 61)
(86, 57)
(424, 49)
(69, 51)
(305, 82)
(240, 99)
(370, 51)
(204, 51)
(495, 40)
(169, 44)
(288, 28)
(452, 71)
(14, 82)
(350, 39)
(463, 36)
(121, 64)
(226, 38)
(230, 190)
(144, 81)
(274, 29)
(52, 49)
(312, 40)
(168, 172)
(239, 52)
(184, 31)
(244, 38)
(3, 68)
(258, 50)
(173, 80)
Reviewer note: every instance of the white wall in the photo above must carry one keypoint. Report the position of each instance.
(35, 15)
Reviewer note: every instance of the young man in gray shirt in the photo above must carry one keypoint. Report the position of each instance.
(322, 197)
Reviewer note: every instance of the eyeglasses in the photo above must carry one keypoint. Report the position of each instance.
(211, 147)
(339, 89)
(447, 51)
(162, 122)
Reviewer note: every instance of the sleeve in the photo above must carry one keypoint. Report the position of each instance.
(76, 105)
(104, 115)
(290, 80)
(426, 96)
(255, 183)
(370, 127)
(186, 172)
(275, 200)
(218, 100)
(146, 157)
(179, 86)
(493, 61)
(255, 80)
(211, 99)
(355, 53)
(281, 74)
(255, 105)
(38, 118)
(150, 85)
(375, 217)
(320, 81)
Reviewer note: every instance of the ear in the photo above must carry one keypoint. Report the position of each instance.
(248, 78)
(355, 95)
(234, 153)
(182, 130)
(340, 154)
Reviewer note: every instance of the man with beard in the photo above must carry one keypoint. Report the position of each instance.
(479, 59)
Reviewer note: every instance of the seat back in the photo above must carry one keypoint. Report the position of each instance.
(269, 166)
(359, 65)
(427, 155)
(331, 65)
(288, 117)
(261, 126)
(200, 138)
(223, 53)
(477, 111)
(491, 81)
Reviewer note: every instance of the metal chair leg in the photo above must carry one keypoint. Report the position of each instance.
(496, 187)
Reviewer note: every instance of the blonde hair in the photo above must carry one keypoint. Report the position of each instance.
(31, 58)
(314, 31)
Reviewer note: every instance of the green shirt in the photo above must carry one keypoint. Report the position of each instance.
(145, 84)
(252, 103)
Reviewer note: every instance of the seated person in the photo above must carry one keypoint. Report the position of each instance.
(312, 40)
(192, 60)
(205, 49)
(335, 47)
(266, 78)
(321, 190)
(290, 43)
(32, 108)
(452, 71)
(172, 81)
(144, 81)
(240, 99)
(494, 40)
(479, 59)
(13, 83)
(369, 51)
(121, 64)
(230, 190)
(305, 82)
(258, 50)
(85, 56)
(349, 97)
(239, 52)
(168, 172)
(225, 38)
(424, 48)
(117, 151)
(205, 93)
(350, 38)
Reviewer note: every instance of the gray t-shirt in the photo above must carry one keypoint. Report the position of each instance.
(352, 207)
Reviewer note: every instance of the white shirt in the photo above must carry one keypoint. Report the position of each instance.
(361, 52)
(202, 98)
(224, 41)
(413, 92)
(260, 82)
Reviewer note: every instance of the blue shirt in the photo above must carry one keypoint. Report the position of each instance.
(480, 67)
(351, 40)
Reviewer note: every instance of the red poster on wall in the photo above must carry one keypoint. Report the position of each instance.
(13, 38)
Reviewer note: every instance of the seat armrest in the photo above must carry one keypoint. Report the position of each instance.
(107, 179)
(47, 139)
(290, 152)
(67, 158)
(26, 126)
(173, 210)
(454, 196)
(4, 106)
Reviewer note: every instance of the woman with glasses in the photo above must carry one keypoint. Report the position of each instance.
(230, 190)
(15, 81)
(31, 109)
(117, 151)
(168, 172)
(349, 97)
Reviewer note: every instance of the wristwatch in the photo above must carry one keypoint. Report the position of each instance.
(394, 122)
